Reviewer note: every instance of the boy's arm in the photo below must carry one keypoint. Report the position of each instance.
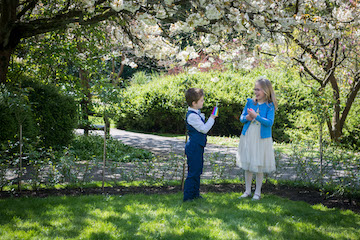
(195, 121)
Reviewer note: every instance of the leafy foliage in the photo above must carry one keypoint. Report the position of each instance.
(52, 115)
(90, 147)
(159, 105)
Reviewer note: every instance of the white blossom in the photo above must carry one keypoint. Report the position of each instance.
(81, 56)
(204, 65)
(224, 56)
(357, 33)
(160, 12)
(169, 2)
(213, 48)
(196, 19)
(246, 63)
(212, 12)
(147, 19)
(180, 27)
(133, 65)
(209, 39)
(342, 14)
(193, 70)
(265, 46)
(214, 79)
(117, 5)
(239, 27)
(187, 54)
(132, 6)
(128, 62)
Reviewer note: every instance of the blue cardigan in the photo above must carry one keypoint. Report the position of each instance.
(265, 117)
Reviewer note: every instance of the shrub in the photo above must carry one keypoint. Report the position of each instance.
(159, 105)
(55, 113)
(9, 125)
(52, 114)
(91, 147)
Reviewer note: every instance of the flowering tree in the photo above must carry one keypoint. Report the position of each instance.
(323, 39)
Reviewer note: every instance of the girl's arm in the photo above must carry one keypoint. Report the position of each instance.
(269, 120)
(244, 113)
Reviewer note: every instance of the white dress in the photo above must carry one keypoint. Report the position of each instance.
(255, 154)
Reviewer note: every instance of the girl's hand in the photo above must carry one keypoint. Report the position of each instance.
(252, 113)
(249, 118)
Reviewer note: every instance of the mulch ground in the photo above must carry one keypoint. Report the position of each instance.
(309, 195)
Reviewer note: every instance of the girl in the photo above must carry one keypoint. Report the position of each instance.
(255, 152)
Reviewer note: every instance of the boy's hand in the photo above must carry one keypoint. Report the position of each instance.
(213, 116)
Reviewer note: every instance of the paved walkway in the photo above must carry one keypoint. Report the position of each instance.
(165, 145)
(219, 161)
(159, 144)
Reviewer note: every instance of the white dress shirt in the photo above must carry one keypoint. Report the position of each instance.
(195, 121)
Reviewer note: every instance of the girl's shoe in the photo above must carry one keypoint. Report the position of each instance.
(245, 195)
(256, 197)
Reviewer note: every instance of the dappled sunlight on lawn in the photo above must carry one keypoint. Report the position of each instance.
(219, 216)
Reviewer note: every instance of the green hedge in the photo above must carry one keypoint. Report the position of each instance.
(51, 114)
(9, 126)
(159, 105)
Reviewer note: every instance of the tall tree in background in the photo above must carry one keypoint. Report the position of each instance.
(323, 39)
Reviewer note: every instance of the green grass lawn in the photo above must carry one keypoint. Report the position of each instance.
(219, 216)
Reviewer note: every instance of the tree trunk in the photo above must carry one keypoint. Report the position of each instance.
(4, 63)
(115, 77)
(20, 158)
(107, 125)
(336, 129)
(86, 101)
(104, 159)
(9, 38)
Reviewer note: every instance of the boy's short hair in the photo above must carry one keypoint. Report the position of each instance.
(193, 95)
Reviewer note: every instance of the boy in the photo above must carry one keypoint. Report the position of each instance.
(194, 148)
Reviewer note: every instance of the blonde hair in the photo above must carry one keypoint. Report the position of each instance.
(268, 90)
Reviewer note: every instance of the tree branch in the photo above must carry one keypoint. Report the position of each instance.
(30, 6)
(269, 54)
(67, 5)
(44, 25)
(306, 48)
(308, 71)
(349, 103)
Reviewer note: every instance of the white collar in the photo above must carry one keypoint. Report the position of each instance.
(195, 110)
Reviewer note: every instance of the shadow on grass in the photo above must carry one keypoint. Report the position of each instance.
(219, 216)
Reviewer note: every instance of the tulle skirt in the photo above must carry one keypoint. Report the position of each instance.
(255, 154)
